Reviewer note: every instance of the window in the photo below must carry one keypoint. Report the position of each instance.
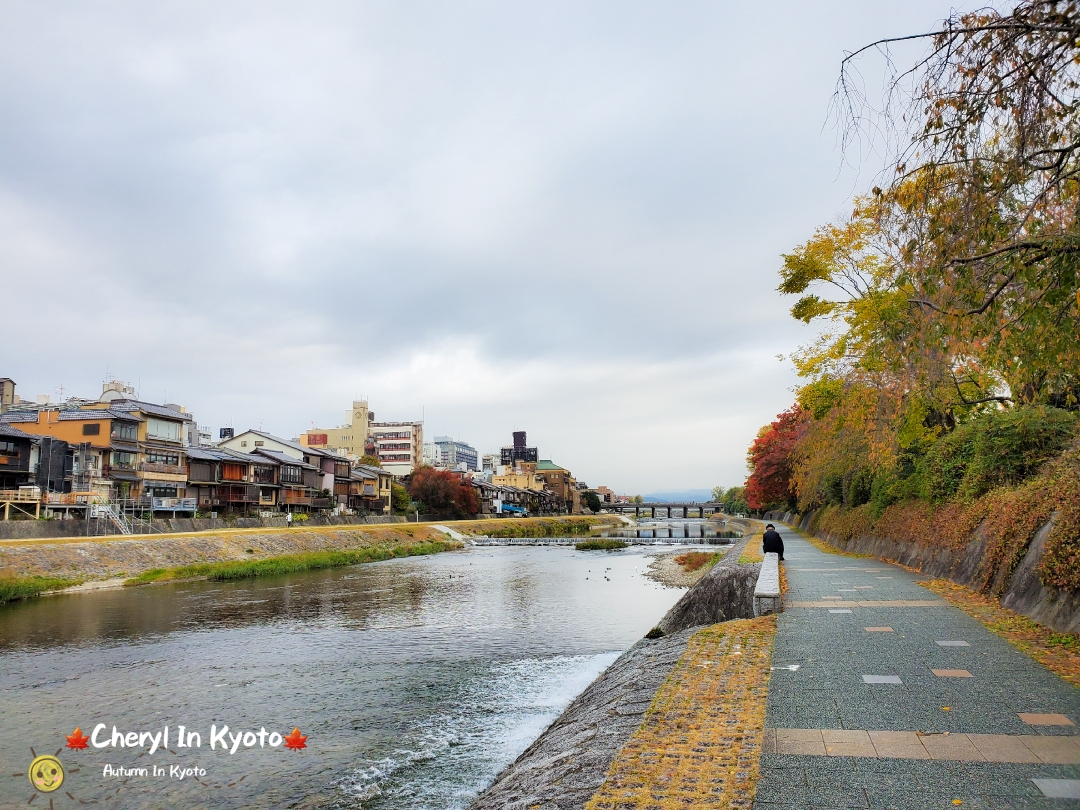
(257, 444)
(233, 472)
(161, 429)
(243, 444)
(264, 475)
(91, 429)
(163, 458)
(292, 475)
(128, 431)
(9, 449)
(124, 461)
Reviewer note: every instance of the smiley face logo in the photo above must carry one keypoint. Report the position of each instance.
(46, 773)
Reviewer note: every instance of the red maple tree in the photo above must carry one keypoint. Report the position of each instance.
(770, 459)
(296, 740)
(443, 491)
(77, 741)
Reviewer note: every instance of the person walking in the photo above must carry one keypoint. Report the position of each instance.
(772, 541)
(288, 520)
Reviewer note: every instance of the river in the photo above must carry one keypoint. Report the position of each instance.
(415, 681)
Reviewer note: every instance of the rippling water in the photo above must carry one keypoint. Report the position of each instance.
(415, 680)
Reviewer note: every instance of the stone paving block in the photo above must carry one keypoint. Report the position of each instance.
(831, 798)
(952, 644)
(901, 744)
(1002, 748)
(892, 679)
(951, 746)
(878, 629)
(952, 673)
(840, 610)
(798, 743)
(1036, 719)
(1059, 788)
(1059, 750)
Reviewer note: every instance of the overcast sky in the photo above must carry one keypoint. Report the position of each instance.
(564, 218)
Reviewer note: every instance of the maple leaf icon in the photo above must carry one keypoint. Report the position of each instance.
(77, 741)
(295, 741)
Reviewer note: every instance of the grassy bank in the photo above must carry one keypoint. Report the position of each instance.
(290, 563)
(600, 544)
(541, 527)
(15, 588)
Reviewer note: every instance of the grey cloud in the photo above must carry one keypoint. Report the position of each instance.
(268, 208)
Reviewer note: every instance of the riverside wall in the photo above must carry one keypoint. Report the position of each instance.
(56, 528)
(568, 763)
(1021, 591)
(129, 555)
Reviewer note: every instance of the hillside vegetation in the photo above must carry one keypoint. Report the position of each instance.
(942, 391)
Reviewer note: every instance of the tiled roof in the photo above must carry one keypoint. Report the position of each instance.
(128, 405)
(547, 464)
(277, 455)
(81, 416)
(14, 433)
(18, 416)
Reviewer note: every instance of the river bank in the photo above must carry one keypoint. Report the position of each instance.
(415, 680)
(578, 756)
(30, 567)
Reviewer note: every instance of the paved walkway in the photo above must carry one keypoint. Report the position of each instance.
(883, 696)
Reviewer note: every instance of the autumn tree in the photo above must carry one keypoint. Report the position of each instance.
(981, 206)
(770, 461)
(443, 491)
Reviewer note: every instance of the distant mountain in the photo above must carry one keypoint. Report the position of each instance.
(699, 495)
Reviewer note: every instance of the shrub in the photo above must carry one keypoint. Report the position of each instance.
(600, 544)
(996, 449)
(695, 560)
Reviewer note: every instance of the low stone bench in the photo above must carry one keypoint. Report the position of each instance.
(767, 591)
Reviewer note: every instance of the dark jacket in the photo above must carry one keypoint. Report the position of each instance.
(771, 541)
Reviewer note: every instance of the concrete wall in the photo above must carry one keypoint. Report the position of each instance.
(1022, 591)
(58, 529)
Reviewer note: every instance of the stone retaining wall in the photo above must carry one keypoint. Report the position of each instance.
(568, 762)
(1023, 591)
(49, 529)
(106, 558)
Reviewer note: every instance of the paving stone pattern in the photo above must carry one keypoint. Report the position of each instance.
(848, 667)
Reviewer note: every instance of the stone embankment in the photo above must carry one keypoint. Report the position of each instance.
(568, 763)
(1021, 591)
(126, 556)
(56, 529)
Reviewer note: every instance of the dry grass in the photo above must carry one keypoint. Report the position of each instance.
(700, 743)
(752, 552)
(696, 560)
(1058, 652)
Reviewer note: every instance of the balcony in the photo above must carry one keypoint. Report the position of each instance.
(168, 469)
(168, 504)
(239, 494)
(295, 497)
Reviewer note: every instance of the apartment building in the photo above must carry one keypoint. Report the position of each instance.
(399, 446)
(456, 455)
(348, 439)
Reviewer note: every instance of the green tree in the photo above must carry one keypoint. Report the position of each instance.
(592, 500)
(399, 499)
(370, 461)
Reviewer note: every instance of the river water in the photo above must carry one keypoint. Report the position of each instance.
(415, 681)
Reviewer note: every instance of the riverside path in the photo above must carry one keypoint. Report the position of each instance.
(883, 696)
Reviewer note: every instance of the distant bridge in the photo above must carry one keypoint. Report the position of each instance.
(671, 508)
